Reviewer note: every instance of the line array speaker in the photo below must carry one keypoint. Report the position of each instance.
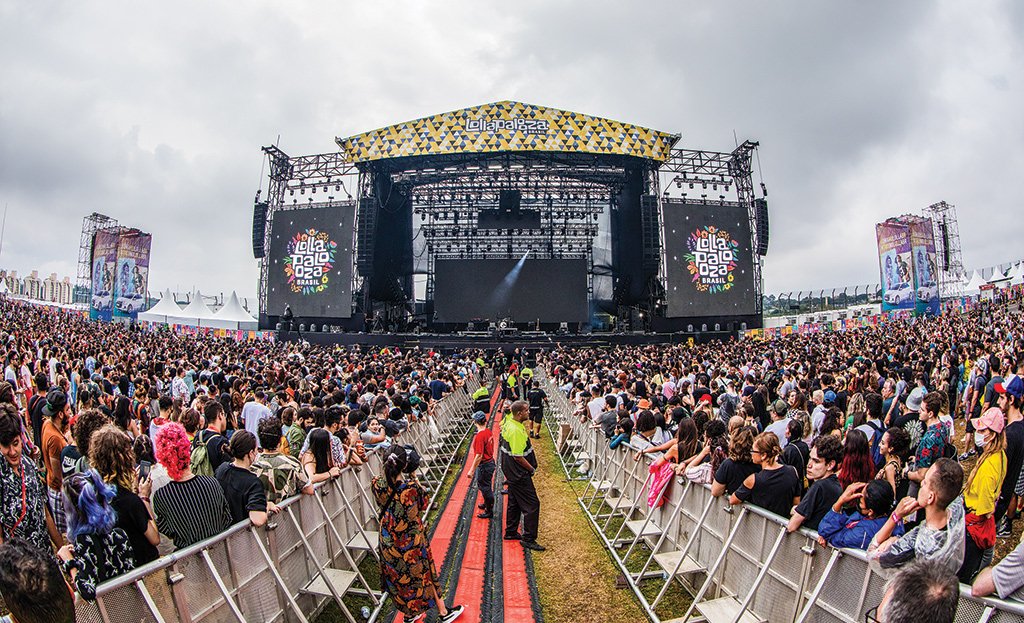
(761, 220)
(259, 225)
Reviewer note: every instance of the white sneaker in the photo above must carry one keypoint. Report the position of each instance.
(453, 613)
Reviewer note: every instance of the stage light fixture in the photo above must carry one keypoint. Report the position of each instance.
(337, 187)
(314, 190)
(291, 192)
(691, 184)
(302, 191)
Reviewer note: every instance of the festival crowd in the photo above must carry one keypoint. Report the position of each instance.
(120, 445)
(853, 435)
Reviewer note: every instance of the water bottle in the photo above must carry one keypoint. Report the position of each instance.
(365, 611)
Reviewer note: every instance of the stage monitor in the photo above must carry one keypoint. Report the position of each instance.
(310, 262)
(490, 290)
(708, 260)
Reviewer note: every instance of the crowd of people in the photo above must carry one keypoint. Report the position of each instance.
(905, 440)
(121, 444)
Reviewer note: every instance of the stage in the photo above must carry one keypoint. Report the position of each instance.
(454, 342)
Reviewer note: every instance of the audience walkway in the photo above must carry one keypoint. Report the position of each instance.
(480, 570)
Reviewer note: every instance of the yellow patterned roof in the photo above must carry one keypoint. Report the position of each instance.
(508, 126)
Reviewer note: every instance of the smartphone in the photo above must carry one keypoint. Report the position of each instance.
(144, 468)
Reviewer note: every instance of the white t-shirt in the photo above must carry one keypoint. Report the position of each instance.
(596, 407)
(253, 413)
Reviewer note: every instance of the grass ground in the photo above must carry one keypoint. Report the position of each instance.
(576, 577)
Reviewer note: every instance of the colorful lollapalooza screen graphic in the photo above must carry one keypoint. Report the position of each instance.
(309, 261)
(712, 259)
(708, 260)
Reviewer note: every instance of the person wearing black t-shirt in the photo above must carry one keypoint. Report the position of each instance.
(110, 454)
(536, 397)
(213, 434)
(734, 470)
(243, 490)
(826, 455)
(776, 487)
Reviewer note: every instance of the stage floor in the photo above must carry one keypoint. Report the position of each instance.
(452, 342)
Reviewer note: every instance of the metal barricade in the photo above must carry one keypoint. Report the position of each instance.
(738, 563)
(287, 571)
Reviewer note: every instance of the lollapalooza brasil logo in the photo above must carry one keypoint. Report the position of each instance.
(712, 259)
(516, 124)
(309, 261)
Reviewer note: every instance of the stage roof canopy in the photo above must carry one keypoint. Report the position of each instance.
(508, 126)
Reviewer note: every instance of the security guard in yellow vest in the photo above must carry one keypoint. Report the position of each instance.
(518, 464)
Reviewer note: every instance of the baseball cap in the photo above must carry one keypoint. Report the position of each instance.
(982, 364)
(748, 390)
(780, 407)
(992, 419)
(480, 417)
(1013, 385)
(830, 396)
(56, 400)
(705, 398)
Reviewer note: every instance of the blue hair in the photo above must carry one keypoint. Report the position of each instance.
(87, 505)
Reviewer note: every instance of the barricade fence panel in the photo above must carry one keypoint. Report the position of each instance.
(849, 587)
(189, 585)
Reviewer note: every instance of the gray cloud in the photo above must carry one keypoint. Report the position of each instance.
(155, 114)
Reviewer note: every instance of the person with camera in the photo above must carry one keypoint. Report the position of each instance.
(407, 565)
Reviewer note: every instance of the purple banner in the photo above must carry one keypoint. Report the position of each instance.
(922, 243)
(132, 274)
(896, 264)
(104, 261)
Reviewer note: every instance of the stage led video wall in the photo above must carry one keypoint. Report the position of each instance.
(708, 260)
(310, 262)
(490, 290)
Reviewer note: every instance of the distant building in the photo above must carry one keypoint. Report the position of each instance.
(49, 290)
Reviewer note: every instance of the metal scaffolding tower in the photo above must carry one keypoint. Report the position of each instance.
(947, 249)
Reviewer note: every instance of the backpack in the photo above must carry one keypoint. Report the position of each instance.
(201, 464)
(876, 441)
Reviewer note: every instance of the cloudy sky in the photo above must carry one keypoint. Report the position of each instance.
(154, 113)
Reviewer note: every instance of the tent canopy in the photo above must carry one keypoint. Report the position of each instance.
(164, 308)
(974, 284)
(197, 309)
(232, 316)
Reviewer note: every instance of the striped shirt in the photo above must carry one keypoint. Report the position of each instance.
(192, 510)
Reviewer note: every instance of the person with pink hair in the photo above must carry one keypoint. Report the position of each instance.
(190, 508)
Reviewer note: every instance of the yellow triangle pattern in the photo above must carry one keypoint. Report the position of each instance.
(508, 126)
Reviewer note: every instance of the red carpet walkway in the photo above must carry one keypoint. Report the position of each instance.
(488, 575)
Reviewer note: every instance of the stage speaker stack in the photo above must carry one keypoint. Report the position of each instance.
(761, 220)
(650, 234)
(259, 225)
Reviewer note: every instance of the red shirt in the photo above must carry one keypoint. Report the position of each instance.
(483, 445)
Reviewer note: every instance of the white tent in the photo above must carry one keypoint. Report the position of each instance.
(1016, 274)
(164, 308)
(232, 316)
(1000, 278)
(196, 313)
(974, 285)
